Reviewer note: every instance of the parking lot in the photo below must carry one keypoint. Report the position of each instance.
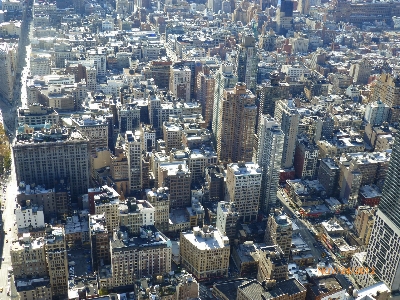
(79, 262)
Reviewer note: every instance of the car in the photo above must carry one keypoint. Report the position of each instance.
(1, 290)
(9, 229)
(6, 241)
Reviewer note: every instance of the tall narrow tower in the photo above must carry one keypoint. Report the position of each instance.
(246, 65)
(269, 157)
(383, 254)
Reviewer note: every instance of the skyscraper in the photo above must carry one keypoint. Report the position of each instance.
(269, 157)
(247, 62)
(383, 252)
(288, 116)
(235, 135)
(225, 78)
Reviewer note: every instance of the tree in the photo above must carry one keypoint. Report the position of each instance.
(103, 291)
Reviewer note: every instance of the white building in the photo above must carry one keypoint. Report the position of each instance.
(180, 83)
(269, 157)
(243, 182)
(376, 113)
(295, 71)
(30, 215)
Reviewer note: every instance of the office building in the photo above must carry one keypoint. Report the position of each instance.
(172, 136)
(37, 288)
(214, 187)
(177, 177)
(247, 62)
(29, 215)
(205, 94)
(205, 252)
(364, 222)
(128, 117)
(387, 90)
(279, 232)
(269, 158)
(287, 115)
(8, 67)
(243, 186)
(284, 19)
(235, 137)
(383, 249)
(62, 154)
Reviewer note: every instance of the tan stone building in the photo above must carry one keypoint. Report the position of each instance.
(108, 203)
(136, 213)
(57, 261)
(177, 177)
(364, 222)
(172, 134)
(279, 232)
(205, 252)
(38, 288)
(235, 139)
(159, 199)
(272, 264)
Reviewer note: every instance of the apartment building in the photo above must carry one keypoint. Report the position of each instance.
(128, 117)
(305, 159)
(204, 252)
(205, 94)
(44, 157)
(133, 257)
(180, 83)
(159, 199)
(328, 175)
(243, 186)
(235, 137)
(177, 177)
(172, 135)
(214, 189)
(364, 222)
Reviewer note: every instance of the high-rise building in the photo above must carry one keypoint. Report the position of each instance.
(99, 240)
(227, 219)
(247, 62)
(48, 156)
(179, 84)
(8, 67)
(383, 252)
(224, 78)
(57, 261)
(287, 115)
(205, 252)
(235, 137)
(305, 159)
(107, 202)
(96, 130)
(136, 213)
(128, 117)
(284, 19)
(243, 185)
(271, 92)
(269, 158)
(328, 176)
(364, 222)
(133, 148)
(205, 94)
(177, 177)
(376, 113)
(132, 257)
(387, 89)
(272, 264)
(279, 232)
(159, 199)
(214, 188)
